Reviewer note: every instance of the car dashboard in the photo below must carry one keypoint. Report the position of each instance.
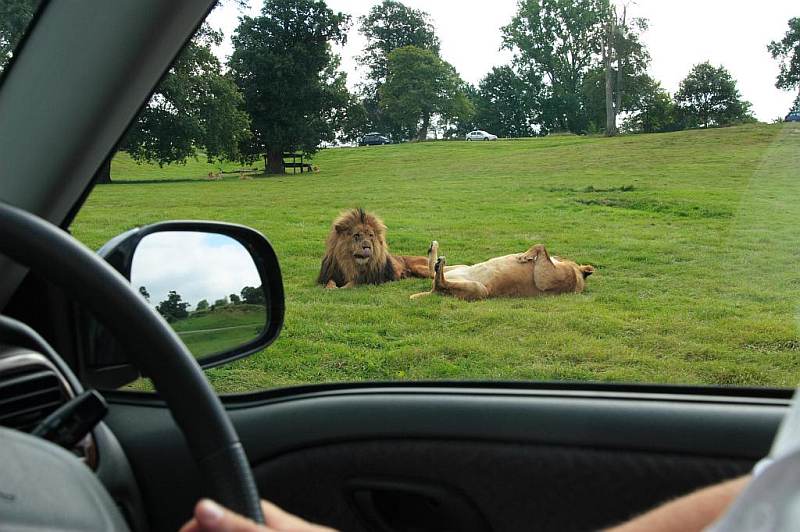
(34, 382)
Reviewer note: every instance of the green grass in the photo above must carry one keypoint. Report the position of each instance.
(123, 168)
(694, 234)
(210, 332)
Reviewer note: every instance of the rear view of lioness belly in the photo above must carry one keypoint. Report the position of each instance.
(502, 276)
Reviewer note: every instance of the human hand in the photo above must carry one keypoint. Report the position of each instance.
(211, 517)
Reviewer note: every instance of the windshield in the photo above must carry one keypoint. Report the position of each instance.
(594, 191)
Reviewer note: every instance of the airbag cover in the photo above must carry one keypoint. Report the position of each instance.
(44, 487)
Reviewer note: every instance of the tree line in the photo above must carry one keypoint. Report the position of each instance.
(174, 308)
(578, 66)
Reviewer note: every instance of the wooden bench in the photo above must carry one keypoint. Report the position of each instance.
(294, 165)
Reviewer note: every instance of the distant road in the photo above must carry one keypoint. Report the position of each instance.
(186, 333)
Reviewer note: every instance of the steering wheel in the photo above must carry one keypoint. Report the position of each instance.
(154, 348)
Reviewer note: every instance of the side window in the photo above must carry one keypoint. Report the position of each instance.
(640, 234)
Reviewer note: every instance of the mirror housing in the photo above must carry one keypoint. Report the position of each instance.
(105, 362)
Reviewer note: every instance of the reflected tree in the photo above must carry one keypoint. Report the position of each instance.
(202, 305)
(173, 308)
(145, 293)
(253, 296)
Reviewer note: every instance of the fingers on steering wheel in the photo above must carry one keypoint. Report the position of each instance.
(282, 520)
(211, 517)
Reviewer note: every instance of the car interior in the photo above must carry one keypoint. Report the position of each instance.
(379, 456)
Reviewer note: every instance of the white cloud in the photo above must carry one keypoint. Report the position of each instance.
(733, 33)
(196, 265)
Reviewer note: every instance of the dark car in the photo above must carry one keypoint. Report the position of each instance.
(374, 139)
(794, 116)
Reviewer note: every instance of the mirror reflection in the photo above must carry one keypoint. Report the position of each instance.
(205, 285)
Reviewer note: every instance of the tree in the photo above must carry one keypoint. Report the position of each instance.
(15, 15)
(235, 299)
(420, 84)
(709, 97)
(595, 99)
(283, 64)
(201, 305)
(173, 308)
(624, 57)
(653, 111)
(458, 127)
(388, 26)
(506, 104)
(195, 108)
(558, 41)
(145, 294)
(253, 296)
(787, 52)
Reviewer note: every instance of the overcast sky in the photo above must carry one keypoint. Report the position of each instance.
(732, 33)
(196, 265)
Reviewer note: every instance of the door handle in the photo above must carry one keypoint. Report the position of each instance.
(403, 505)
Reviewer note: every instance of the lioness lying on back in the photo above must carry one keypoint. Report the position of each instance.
(530, 274)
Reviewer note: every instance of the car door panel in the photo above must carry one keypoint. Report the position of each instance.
(522, 459)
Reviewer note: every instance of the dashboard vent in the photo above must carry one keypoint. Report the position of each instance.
(30, 389)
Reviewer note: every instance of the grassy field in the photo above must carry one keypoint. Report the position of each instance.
(210, 332)
(694, 235)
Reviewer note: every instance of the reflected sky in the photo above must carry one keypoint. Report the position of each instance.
(194, 264)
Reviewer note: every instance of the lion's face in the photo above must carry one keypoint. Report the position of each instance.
(363, 241)
(356, 247)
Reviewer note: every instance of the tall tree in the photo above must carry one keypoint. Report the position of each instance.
(506, 104)
(283, 64)
(195, 108)
(787, 52)
(173, 308)
(420, 84)
(624, 57)
(558, 41)
(652, 110)
(252, 295)
(709, 97)
(388, 26)
(595, 99)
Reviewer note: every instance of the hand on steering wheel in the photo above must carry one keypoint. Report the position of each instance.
(211, 517)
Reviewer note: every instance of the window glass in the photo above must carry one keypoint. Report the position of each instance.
(650, 156)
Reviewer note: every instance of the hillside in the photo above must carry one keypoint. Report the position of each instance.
(693, 234)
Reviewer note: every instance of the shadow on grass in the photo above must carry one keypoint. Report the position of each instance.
(192, 179)
(156, 181)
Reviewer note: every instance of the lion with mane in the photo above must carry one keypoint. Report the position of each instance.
(356, 253)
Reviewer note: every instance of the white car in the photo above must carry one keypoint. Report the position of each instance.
(480, 135)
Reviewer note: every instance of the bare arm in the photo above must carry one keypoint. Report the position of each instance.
(690, 512)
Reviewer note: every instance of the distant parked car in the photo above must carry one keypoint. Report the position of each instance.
(374, 139)
(480, 135)
(794, 116)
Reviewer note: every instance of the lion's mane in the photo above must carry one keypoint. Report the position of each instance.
(339, 264)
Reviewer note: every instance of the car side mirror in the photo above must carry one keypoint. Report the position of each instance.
(217, 285)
